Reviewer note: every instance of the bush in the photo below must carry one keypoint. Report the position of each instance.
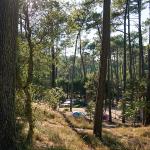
(90, 109)
(53, 96)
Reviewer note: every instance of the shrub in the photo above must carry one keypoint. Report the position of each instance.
(90, 109)
(53, 96)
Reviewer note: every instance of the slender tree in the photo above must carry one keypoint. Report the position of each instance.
(147, 114)
(53, 67)
(26, 87)
(129, 39)
(125, 47)
(8, 34)
(141, 53)
(125, 61)
(117, 74)
(84, 68)
(103, 70)
(73, 70)
(109, 87)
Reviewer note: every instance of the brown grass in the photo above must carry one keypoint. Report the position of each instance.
(80, 122)
(52, 132)
(132, 138)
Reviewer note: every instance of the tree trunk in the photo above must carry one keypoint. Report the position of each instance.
(117, 77)
(99, 33)
(109, 89)
(125, 45)
(103, 70)
(84, 70)
(28, 112)
(82, 60)
(129, 39)
(125, 63)
(28, 101)
(147, 114)
(141, 53)
(20, 18)
(8, 35)
(53, 76)
(73, 71)
(134, 63)
(147, 110)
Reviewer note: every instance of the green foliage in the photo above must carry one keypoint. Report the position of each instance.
(37, 92)
(20, 103)
(136, 90)
(53, 96)
(91, 85)
(134, 98)
(90, 109)
(118, 3)
(76, 20)
(133, 108)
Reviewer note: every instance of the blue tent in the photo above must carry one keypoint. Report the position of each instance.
(77, 114)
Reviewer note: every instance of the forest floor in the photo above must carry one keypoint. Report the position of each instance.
(61, 131)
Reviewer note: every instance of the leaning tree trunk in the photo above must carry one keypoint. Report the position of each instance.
(73, 71)
(8, 34)
(28, 101)
(97, 130)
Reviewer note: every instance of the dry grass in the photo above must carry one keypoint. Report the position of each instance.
(80, 122)
(119, 138)
(52, 132)
(132, 138)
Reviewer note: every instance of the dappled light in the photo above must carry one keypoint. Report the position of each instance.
(74, 75)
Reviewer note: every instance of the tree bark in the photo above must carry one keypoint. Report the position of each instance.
(28, 101)
(109, 89)
(147, 114)
(8, 35)
(129, 39)
(84, 70)
(117, 76)
(141, 53)
(53, 75)
(73, 71)
(103, 70)
(82, 60)
(125, 63)
(125, 51)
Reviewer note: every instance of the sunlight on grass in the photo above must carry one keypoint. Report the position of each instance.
(53, 132)
(133, 138)
(80, 122)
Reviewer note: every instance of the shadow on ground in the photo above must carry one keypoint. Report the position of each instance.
(112, 142)
(108, 139)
